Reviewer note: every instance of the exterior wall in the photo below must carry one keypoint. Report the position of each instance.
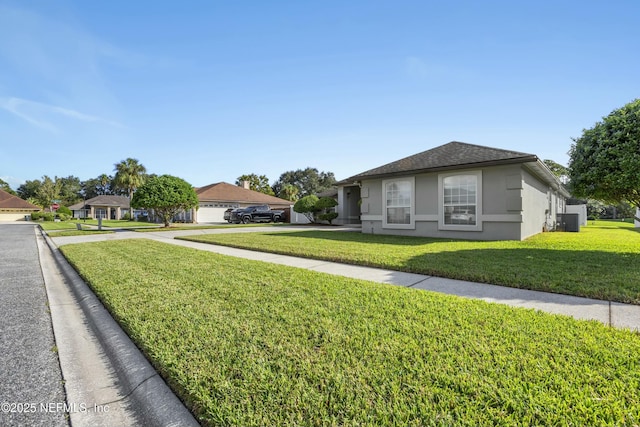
(81, 213)
(542, 204)
(636, 222)
(536, 204)
(371, 194)
(348, 205)
(514, 205)
(15, 215)
(501, 212)
(297, 218)
(581, 210)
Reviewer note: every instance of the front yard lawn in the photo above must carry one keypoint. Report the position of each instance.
(254, 344)
(176, 227)
(601, 261)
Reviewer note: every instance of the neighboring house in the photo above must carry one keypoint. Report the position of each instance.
(216, 198)
(456, 190)
(106, 207)
(13, 208)
(581, 210)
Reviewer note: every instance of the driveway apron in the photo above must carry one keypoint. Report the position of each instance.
(31, 388)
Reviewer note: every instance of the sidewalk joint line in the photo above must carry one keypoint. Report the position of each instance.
(419, 281)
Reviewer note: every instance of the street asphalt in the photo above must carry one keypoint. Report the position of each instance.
(67, 362)
(31, 387)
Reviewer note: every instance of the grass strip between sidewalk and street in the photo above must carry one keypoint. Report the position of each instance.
(601, 261)
(250, 343)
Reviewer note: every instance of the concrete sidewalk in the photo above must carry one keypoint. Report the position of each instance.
(610, 313)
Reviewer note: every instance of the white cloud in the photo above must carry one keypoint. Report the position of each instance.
(40, 114)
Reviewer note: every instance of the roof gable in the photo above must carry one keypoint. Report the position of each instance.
(9, 201)
(104, 200)
(223, 191)
(454, 155)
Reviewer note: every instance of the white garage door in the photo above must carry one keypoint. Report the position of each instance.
(14, 216)
(209, 214)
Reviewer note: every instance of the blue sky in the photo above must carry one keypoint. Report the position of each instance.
(211, 90)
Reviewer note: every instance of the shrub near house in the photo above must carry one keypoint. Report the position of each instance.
(314, 207)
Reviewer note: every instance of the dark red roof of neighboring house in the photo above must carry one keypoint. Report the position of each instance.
(225, 192)
(9, 201)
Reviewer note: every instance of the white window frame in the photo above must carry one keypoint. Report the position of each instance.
(441, 211)
(412, 204)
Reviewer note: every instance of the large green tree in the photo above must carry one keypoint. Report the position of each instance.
(48, 191)
(167, 195)
(259, 183)
(130, 174)
(70, 190)
(605, 160)
(98, 186)
(43, 191)
(308, 181)
(561, 172)
(4, 185)
(29, 190)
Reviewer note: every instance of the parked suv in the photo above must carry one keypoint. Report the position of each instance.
(227, 214)
(258, 213)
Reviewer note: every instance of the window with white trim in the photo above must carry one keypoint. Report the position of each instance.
(398, 208)
(460, 196)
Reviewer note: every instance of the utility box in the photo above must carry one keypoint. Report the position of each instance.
(568, 222)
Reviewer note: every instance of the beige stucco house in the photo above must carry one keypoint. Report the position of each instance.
(13, 208)
(456, 190)
(106, 207)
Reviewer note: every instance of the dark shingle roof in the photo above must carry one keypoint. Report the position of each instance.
(115, 201)
(454, 155)
(9, 201)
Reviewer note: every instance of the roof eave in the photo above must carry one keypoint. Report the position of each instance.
(544, 173)
(359, 178)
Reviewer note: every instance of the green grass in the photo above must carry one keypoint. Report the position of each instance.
(256, 344)
(112, 223)
(75, 232)
(601, 261)
(54, 226)
(176, 227)
(71, 224)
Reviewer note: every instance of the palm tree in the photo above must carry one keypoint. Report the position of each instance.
(289, 192)
(104, 180)
(130, 174)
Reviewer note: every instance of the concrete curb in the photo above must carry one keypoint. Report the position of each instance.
(150, 397)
